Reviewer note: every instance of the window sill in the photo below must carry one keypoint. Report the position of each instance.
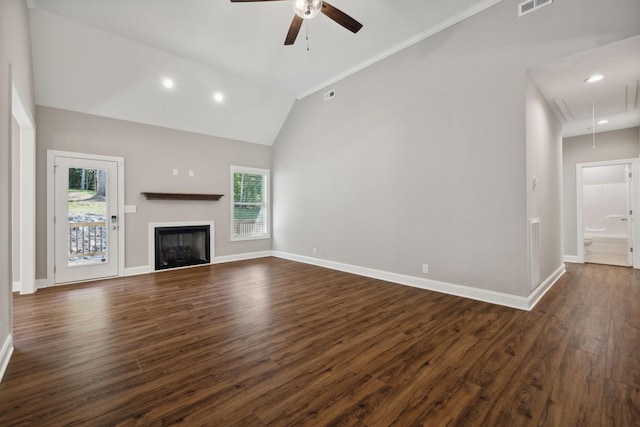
(244, 238)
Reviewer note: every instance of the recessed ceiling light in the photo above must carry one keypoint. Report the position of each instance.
(168, 83)
(603, 122)
(594, 78)
(218, 97)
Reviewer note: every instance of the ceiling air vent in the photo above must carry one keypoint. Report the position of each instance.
(531, 5)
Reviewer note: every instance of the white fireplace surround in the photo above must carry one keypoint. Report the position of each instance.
(152, 240)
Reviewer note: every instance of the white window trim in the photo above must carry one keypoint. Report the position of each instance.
(267, 202)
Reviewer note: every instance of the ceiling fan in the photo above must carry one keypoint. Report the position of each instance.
(307, 9)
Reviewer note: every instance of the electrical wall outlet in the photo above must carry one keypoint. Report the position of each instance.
(425, 268)
(315, 251)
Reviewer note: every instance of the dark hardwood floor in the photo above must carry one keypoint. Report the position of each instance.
(274, 342)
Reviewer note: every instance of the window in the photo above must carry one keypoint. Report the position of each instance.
(250, 207)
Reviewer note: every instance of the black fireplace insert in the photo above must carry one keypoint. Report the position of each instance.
(182, 246)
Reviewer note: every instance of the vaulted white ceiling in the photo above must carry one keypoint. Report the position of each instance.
(109, 57)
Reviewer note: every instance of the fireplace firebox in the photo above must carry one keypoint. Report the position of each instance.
(182, 246)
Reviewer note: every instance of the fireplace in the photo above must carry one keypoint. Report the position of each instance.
(174, 245)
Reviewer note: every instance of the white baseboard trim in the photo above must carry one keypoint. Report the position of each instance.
(543, 287)
(500, 298)
(134, 271)
(241, 257)
(16, 286)
(572, 258)
(43, 283)
(508, 300)
(144, 269)
(5, 354)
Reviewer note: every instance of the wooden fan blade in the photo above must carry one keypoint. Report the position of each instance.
(340, 17)
(293, 30)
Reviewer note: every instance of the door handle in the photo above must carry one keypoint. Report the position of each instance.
(114, 227)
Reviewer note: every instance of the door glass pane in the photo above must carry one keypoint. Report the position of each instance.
(87, 217)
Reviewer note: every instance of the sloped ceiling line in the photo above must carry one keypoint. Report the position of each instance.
(108, 58)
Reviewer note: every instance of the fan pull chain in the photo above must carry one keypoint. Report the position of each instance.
(307, 28)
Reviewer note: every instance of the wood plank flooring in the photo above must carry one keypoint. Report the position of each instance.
(274, 342)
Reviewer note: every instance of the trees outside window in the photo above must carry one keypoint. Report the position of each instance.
(250, 207)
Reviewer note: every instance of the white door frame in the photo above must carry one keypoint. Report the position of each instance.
(27, 204)
(635, 191)
(51, 154)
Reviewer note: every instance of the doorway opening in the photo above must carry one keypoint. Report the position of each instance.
(605, 212)
(23, 135)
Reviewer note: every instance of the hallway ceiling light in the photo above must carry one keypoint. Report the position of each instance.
(594, 78)
(603, 122)
(168, 83)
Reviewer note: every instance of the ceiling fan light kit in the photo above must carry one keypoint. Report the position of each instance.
(307, 9)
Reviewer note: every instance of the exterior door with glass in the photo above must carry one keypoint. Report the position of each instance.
(85, 219)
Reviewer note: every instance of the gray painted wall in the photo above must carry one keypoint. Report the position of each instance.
(420, 158)
(544, 161)
(150, 153)
(15, 50)
(614, 145)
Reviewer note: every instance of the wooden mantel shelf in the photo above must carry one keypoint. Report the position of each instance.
(181, 196)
